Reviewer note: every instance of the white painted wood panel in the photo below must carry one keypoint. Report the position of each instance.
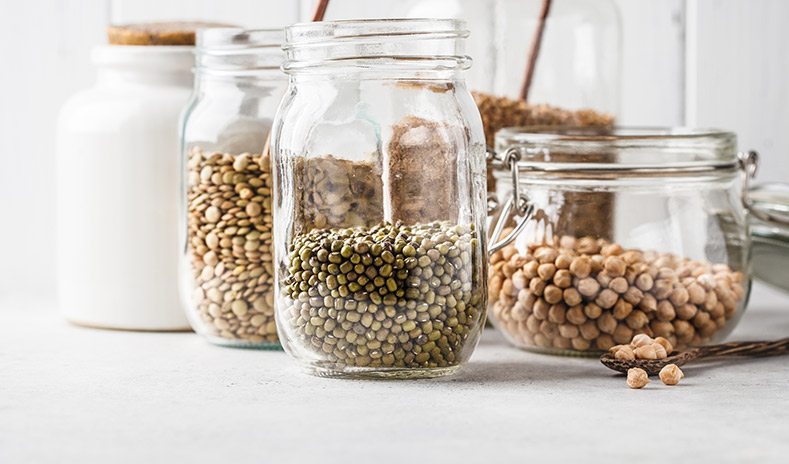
(653, 70)
(44, 45)
(738, 75)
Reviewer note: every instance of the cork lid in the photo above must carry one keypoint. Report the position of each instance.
(157, 33)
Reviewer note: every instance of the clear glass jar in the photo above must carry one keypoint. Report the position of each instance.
(227, 270)
(379, 205)
(676, 262)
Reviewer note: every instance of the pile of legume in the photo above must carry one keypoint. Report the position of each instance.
(229, 235)
(391, 295)
(590, 294)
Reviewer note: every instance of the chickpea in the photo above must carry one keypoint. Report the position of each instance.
(633, 296)
(646, 352)
(552, 294)
(530, 269)
(592, 311)
(623, 334)
(640, 340)
(572, 297)
(563, 261)
(604, 342)
(575, 315)
(569, 330)
(671, 374)
(679, 296)
(581, 344)
(588, 287)
(666, 311)
(665, 344)
(615, 266)
(606, 323)
(581, 267)
(557, 313)
(589, 330)
(625, 353)
(562, 278)
(637, 378)
(607, 298)
(541, 309)
(637, 320)
(696, 294)
(660, 351)
(622, 309)
(546, 271)
(644, 282)
(537, 285)
(619, 285)
(519, 280)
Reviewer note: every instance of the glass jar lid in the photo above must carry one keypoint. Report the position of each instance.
(636, 149)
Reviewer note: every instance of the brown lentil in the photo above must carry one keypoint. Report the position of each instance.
(229, 238)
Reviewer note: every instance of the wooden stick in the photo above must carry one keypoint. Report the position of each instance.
(320, 10)
(535, 49)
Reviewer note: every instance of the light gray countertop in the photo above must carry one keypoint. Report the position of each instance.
(70, 394)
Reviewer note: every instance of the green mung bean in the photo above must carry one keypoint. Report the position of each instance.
(391, 295)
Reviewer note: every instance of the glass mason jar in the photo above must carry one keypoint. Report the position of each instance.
(676, 262)
(379, 205)
(227, 270)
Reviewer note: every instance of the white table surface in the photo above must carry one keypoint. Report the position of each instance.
(71, 394)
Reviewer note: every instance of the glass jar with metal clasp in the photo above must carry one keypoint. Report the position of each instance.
(675, 262)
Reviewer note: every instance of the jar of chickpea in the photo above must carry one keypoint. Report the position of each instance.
(674, 263)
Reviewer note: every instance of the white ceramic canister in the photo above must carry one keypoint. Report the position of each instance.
(118, 190)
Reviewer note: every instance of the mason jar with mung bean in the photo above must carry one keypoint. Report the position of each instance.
(379, 200)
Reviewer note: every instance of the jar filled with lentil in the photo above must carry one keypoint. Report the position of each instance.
(674, 264)
(227, 268)
(379, 200)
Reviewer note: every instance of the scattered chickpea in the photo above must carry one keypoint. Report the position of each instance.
(637, 378)
(671, 374)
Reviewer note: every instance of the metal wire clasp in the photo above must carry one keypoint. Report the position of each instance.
(749, 163)
(516, 201)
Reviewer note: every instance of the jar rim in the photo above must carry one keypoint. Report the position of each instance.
(631, 134)
(305, 33)
(230, 52)
(621, 148)
(370, 45)
(231, 38)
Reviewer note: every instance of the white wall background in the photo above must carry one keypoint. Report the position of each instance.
(721, 63)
